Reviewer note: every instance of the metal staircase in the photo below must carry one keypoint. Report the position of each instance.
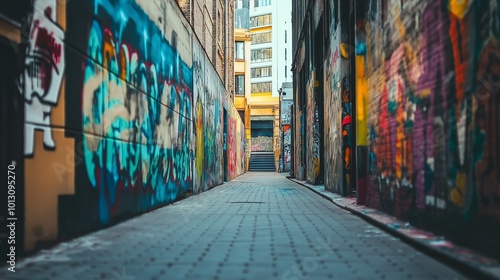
(261, 161)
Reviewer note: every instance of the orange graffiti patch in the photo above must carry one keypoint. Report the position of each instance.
(347, 158)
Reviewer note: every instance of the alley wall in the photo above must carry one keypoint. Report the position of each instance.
(411, 99)
(121, 112)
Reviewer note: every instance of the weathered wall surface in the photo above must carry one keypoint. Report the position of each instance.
(123, 113)
(423, 79)
(335, 75)
(235, 143)
(428, 92)
(432, 91)
(312, 133)
(286, 122)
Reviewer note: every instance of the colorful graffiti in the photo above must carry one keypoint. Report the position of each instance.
(232, 147)
(431, 125)
(136, 112)
(123, 113)
(199, 99)
(287, 147)
(316, 145)
(312, 148)
(299, 139)
(43, 72)
(336, 125)
(213, 130)
(346, 132)
(262, 143)
(235, 144)
(286, 121)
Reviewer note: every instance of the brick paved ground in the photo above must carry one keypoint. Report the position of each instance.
(259, 226)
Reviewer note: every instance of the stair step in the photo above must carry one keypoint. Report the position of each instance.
(262, 161)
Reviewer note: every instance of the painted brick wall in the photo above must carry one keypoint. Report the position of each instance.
(127, 115)
(431, 83)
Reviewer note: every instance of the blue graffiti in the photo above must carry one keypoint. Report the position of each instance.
(137, 117)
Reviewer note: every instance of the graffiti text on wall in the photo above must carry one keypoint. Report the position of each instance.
(43, 73)
(136, 111)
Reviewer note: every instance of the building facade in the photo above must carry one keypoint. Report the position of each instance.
(270, 28)
(211, 21)
(394, 105)
(242, 96)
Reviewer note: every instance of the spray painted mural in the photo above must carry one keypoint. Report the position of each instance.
(286, 121)
(213, 128)
(136, 111)
(235, 144)
(43, 72)
(433, 91)
(262, 144)
(123, 115)
(198, 111)
(312, 127)
(337, 115)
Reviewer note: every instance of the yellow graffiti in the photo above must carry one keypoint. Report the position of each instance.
(458, 193)
(347, 158)
(316, 166)
(412, 62)
(200, 153)
(399, 23)
(460, 7)
(344, 50)
(361, 102)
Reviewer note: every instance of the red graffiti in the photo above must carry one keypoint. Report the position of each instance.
(46, 43)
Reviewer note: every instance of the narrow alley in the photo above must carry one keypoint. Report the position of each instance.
(250, 139)
(258, 226)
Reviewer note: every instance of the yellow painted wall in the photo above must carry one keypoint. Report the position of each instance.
(239, 67)
(240, 102)
(42, 191)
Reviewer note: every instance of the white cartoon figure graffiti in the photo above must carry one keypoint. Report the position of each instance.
(41, 79)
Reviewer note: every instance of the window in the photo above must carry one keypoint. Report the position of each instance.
(285, 54)
(242, 115)
(239, 84)
(285, 36)
(241, 4)
(262, 72)
(263, 37)
(261, 20)
(285, 72)
(261, 87)
(261, 3)
(239, 50)
(261, 55)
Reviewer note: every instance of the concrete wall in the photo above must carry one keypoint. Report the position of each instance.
(124, 114)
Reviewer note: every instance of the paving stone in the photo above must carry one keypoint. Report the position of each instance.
(291, 233)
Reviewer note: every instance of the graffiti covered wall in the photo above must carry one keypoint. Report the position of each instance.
(432, 89)
(333, 114)
(123, 114)
(337, 107)
(235, 144)
(312, 147)
(262, 144)
(286, 121)
(136, 123)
